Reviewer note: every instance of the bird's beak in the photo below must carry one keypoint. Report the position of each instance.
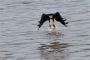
(50, 17)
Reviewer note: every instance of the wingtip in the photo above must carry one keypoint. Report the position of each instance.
(66, 26)
(64, 19)
(38, 26)
(67, 22)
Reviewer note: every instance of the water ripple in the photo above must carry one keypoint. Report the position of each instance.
(20, 39)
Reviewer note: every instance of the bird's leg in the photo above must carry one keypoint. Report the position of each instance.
(53, 21)
(54, 24)
(49, 22)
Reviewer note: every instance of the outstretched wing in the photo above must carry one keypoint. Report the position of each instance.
(43, 19)
(59, 18)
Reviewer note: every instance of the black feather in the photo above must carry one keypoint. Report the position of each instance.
(44, 18)
(59, 18)
(56, 16)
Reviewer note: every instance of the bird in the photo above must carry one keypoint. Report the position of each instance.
(53, 16)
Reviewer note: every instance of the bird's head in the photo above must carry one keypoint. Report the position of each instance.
(50, 16)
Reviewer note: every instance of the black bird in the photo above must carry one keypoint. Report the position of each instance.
(56, 16)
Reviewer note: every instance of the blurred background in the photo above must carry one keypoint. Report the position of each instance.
(20, 39)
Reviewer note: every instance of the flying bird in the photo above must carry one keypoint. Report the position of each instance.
(48, 17)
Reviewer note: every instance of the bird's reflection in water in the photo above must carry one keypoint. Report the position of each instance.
(54, 35)
(53, 51)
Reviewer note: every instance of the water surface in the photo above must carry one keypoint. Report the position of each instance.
(20, 39)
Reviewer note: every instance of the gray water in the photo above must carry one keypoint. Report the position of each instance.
(20, 39)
